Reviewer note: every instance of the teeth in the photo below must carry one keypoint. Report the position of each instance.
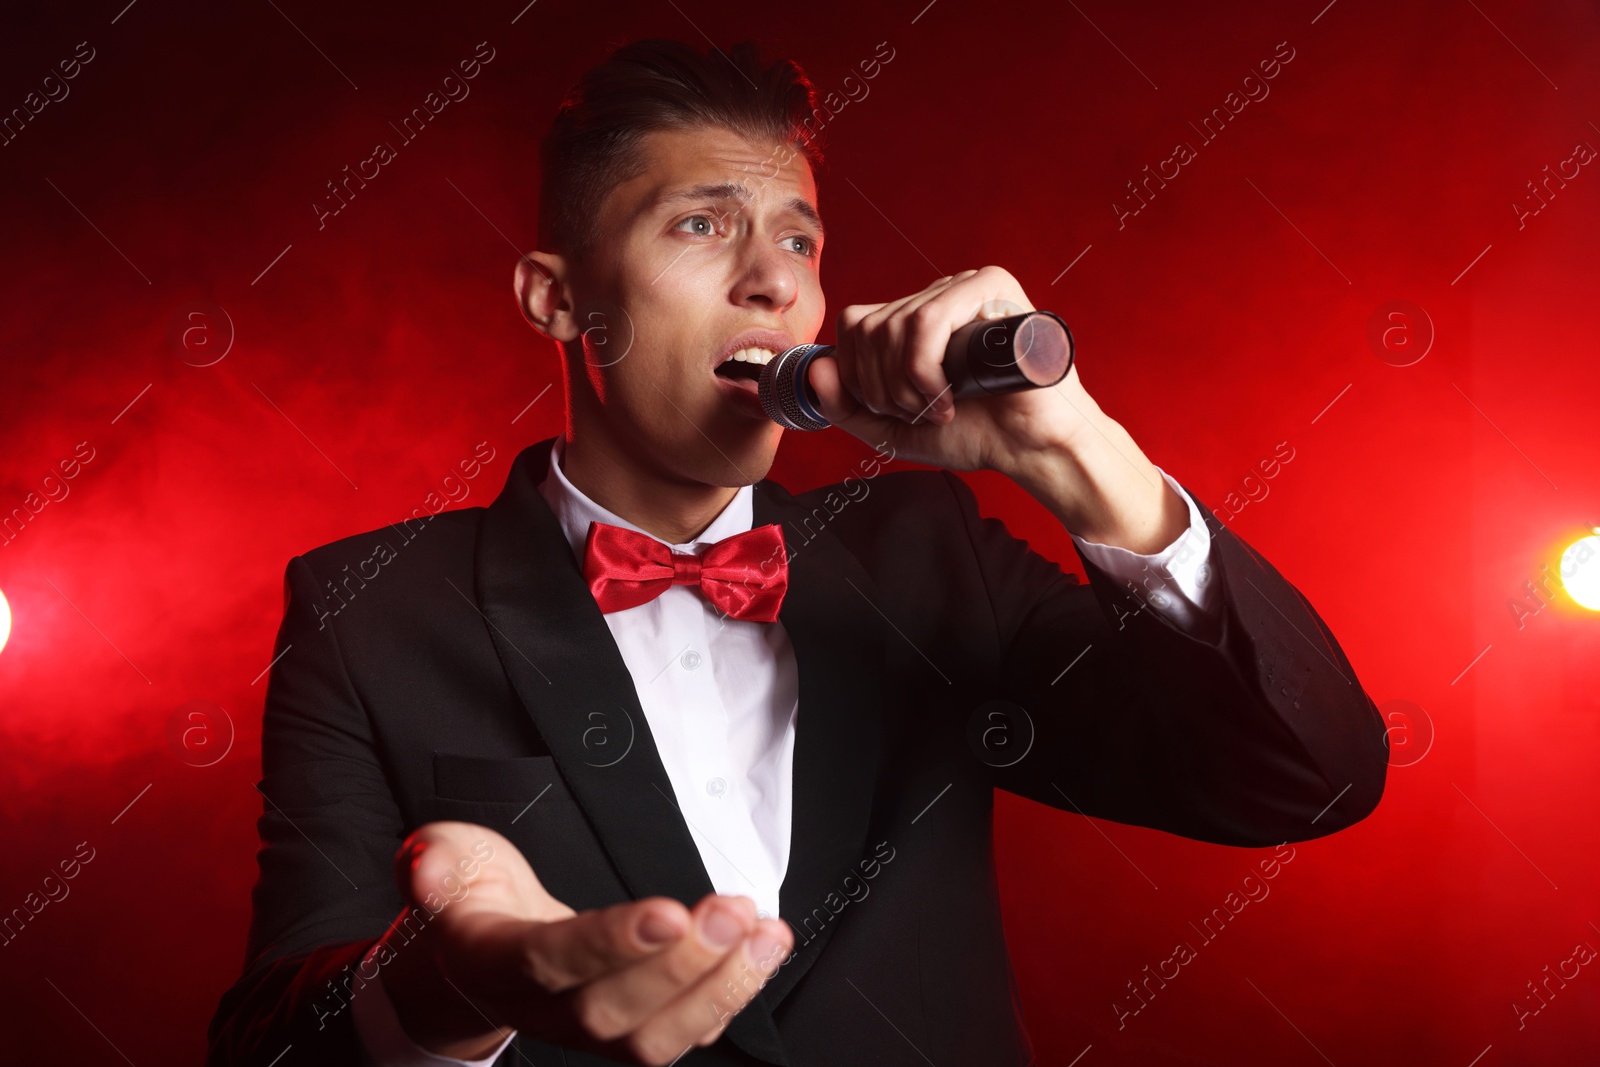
(754, 355)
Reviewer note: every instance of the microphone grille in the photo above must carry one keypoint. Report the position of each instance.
(783, 390)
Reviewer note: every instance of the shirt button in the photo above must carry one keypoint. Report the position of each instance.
(690, 659)
(716, 787)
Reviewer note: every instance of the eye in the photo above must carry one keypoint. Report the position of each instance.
(705, 221)
(809, 247)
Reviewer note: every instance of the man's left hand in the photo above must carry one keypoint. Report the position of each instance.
(886, 381)
(886, 384)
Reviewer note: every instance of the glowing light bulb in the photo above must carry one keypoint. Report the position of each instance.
(1580, 571)
(5, 621)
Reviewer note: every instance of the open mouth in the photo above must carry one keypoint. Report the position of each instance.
(745, 364)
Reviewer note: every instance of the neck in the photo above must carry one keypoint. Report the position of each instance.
(673, 510)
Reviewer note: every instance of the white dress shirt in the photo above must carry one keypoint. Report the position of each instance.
(720, 696)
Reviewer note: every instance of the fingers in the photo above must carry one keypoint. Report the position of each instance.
(892, 355)
(891, 380)
(843, 410)
(698, 1008)
(879, 350)
(921, 389)
(651, 1008)
(492, 912)
(847, 349)
(648, 978)
(626, 1000)
(884, 385)
(591, 945)
(721, 995)
(864, 342)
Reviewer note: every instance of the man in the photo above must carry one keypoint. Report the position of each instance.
(652, 761)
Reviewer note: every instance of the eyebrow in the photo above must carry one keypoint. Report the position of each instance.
(741, 193)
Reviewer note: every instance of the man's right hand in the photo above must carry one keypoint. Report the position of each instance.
(640, 982)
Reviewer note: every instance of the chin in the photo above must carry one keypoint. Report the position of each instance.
(754, 459)
(742, 456)
(718, 444)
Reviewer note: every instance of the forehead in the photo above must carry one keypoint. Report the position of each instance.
(677, 160)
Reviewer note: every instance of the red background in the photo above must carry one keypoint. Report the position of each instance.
(191, 148)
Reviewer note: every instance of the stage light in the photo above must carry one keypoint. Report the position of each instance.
(1580, 571)
(5, 621)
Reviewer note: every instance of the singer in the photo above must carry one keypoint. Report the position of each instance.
(584, 778)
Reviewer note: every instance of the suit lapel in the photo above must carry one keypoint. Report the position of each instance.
(566, 669)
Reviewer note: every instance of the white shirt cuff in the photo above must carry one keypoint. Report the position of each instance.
(386, 1041)
(1177, 581)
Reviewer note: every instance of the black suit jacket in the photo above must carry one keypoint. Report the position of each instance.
(458, 668)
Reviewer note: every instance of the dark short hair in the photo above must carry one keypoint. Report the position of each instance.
(594, 143)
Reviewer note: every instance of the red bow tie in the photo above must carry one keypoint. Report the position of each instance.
(744, 576)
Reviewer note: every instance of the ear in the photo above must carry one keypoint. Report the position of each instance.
(543, 289)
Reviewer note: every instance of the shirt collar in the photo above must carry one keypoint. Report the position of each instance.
(575, 511)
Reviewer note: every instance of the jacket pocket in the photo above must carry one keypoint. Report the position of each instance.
(524, 799)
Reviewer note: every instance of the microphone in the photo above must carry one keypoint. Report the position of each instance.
(986, 357)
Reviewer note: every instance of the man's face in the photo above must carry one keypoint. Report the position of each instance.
(715, 247)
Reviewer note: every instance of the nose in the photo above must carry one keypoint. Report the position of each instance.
(766, 278)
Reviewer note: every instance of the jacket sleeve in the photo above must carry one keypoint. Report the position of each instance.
(1253, 733)
(329, 829)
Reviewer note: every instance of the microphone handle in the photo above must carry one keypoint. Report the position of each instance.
(986, 357)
